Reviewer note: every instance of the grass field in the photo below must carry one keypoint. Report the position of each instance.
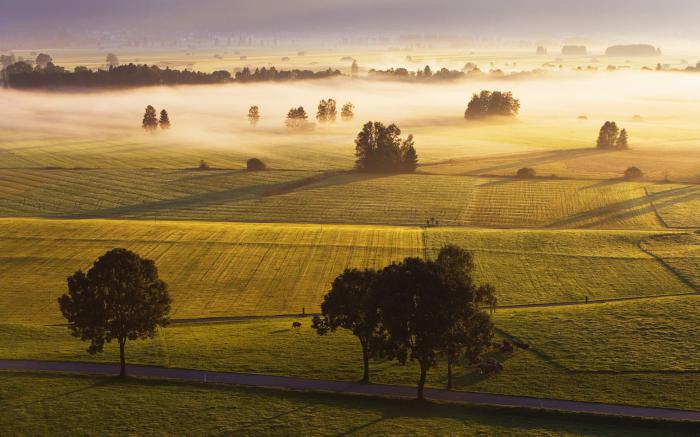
(66, 405)
(236, 269)
(290, 196)
(680, 251)
(638, 353)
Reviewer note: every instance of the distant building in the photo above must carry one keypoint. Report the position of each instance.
(574, 50)
(633, 50)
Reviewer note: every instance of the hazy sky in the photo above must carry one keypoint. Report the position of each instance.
(494, 17)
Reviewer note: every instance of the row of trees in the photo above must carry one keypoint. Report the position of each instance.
(612, 138)
(492, 103)
(151, 122)
(272, 74)
(46, 74)
(415, 310)
(380, 148)
(425, 74)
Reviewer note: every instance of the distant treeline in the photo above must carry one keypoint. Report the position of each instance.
(23, 75)
(273, 74)
(426, 74)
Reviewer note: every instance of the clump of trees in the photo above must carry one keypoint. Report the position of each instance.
(255, 164)
(526, 173)
(492, 103)
(633, 173)
(254, 115)
(425, 74)
(347, 113)
(297, 119)
(415, 310)
(380, 148)
(611, 137)
(151, 121)
(120, 298)
(43, 60)
(327, 112)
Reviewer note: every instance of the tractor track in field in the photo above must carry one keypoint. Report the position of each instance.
(356, 388)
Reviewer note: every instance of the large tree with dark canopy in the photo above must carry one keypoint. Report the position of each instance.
(379, 148)
(611, 138)
(352, 304)
(471, 329)
(120, 298)
(430, 309)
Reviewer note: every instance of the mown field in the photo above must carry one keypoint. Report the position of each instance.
(338, 197)
(36, 404)
(238, 269)
(639, 353)
(679, 251)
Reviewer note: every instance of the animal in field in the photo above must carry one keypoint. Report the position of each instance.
(296, 324)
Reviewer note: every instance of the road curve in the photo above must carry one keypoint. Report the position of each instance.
(345, 387)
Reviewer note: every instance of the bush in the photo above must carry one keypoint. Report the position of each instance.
(633, 173)
(203, 165)
(254, 164)
(526, 173)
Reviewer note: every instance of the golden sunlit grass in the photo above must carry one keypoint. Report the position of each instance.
(680, 251)
(637, 353)
(235, 269)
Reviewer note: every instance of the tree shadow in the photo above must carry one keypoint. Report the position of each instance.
(102, 381)
(531, 159)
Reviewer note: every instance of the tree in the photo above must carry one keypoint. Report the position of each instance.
(120, 298)
(296, 119)
(164, 121)
(492, 103)
(471, 330)
(354, 69)
(610, 137)
(526, 173)
(351, 304)
(415, 310)
(633, 173)
(327, 111)
(409, 157)
(254, 115)
(203, 165)
(622, 140)
(43, 60)
(254, 164)
(150, 120)
(427, 72)
(347, 113)
(112, 60)
(378, 148)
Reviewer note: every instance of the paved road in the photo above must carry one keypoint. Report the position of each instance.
(285, 382)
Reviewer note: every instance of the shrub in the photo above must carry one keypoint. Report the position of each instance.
(633, 173)
(254, 164)
(203, 165)
(526, 173)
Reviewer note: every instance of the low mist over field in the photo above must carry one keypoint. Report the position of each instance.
(216, 115)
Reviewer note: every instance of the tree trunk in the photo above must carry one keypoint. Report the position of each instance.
(122, 359)
(365, 359)
(449, 374)
(421, 382)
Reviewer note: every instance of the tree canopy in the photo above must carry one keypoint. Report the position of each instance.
(352, 304)
(430, 309)
(120, 298)
(150, 119)
(490, 104)
(611, 137)
(327, 112)
(254, 115)
(164, 120)
(347, 113)
(297, 119)
(380, 148)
